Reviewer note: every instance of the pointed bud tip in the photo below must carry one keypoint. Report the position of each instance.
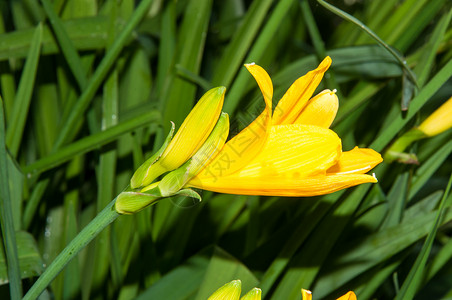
(221, 90)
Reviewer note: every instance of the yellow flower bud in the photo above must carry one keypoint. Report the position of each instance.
(189, 138)
(176, 179)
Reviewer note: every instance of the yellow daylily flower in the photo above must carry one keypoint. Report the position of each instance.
(307, 295)
(189, 138)
(291, 152)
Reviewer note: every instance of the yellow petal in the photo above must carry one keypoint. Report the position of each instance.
(356, 161)
(349, 296)
(296, 97)
(248, 143)
(295, 151)
(281, 186)
(320, 110)
(440, 120)
(307, 295)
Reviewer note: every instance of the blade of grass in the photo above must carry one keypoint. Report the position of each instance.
(30, 260)
(71, 275)
(317, 40)
(102, 220)
(66, 45)
(6, 217)
(297, 238)
(68, 129)
(257, 51)
(413, 280)
(311, 257)
(429, 167)
(424, 95)
(85, 34)
(23, 96)
(107, 166)
(352, 19)
(241, 42)
(424, 66)
(81, 146)
(376, 248)
(91, 142)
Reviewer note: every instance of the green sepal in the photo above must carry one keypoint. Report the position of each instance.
(396, 151)
(189, 193)
(141, 173)
(130, 202)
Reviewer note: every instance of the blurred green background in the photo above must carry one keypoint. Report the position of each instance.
(89, 89)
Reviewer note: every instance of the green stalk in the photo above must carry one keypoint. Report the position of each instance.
(102, 220)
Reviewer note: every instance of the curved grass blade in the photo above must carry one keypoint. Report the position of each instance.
(414, 278)
(23, 96)
(6, 217)
(352, 19)
(67, 47)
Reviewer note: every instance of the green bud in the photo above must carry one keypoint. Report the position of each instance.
(229, 291)
(254, 294)
(130, 202)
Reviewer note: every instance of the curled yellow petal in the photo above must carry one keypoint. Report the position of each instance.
(248, 143)
(296, 97)
(356, 161)
(320, 110)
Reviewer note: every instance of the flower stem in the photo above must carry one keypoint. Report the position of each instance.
(102, 220)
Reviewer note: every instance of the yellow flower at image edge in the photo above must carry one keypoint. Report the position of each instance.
(291, 152)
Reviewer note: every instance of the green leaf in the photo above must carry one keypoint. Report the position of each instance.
(30, 260)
